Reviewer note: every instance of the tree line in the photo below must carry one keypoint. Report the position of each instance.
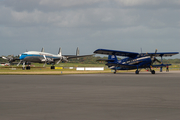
(93, 60)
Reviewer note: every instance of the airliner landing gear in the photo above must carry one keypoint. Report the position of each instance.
(28, 68)
(52, 67)
(137, 72)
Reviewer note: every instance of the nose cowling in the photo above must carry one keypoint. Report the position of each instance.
(21, 57)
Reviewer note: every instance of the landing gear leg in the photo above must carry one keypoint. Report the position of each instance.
(137, 71)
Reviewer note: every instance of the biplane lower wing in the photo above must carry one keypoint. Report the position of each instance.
(122, 65)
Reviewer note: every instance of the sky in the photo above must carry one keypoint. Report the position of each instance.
(125, 25)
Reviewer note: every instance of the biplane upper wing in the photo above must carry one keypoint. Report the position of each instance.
(163, 54)
(116, 52)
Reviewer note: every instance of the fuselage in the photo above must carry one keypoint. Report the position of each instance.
(35, 56)
(141, 62)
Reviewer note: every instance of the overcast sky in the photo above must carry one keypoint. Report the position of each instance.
(126, 25)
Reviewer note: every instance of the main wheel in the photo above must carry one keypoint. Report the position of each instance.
(28, 68)
(153, 72)
(52, 67)
(137, 72)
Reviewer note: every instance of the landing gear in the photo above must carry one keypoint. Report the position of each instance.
(137, 72)
(52, 67)
(152, 72)
(115, 71)
(28, 68)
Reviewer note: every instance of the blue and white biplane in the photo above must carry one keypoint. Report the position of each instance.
(133, 60)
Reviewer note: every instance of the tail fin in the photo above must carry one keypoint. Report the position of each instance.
(42, 50)
(77, 51)
(113, 58)
(59, 53)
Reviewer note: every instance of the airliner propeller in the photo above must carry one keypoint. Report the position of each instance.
(9, 58)
(47, 60)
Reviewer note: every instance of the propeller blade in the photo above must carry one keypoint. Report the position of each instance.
(158, 61)
(44, 57)
(45, 60)
(4, 58)
(58, 61)
(19, 63)
(44, 64)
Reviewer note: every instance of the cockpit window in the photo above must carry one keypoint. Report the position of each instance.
(24, 54)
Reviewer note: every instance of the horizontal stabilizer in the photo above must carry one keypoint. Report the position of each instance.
(162, 65)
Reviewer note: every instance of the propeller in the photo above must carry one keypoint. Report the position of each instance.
(153, 58)
(9, 58)
(19, 63)
(45, 60)
(59, 61)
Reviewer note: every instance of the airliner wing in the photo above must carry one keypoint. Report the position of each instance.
(79, 56)
(116, 52)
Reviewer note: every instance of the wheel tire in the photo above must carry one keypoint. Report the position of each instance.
(52, 67)
(153, 72)
(137, 72)
(28, 68)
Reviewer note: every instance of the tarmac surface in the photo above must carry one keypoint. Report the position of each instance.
(121, 96)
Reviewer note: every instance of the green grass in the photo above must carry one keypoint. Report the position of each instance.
(39, 68)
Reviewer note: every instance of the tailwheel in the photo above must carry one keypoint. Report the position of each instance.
(137, 72)
(115, 71)
(152, 72)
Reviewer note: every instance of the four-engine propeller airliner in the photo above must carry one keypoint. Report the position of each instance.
(134, 60)
(43, 57)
